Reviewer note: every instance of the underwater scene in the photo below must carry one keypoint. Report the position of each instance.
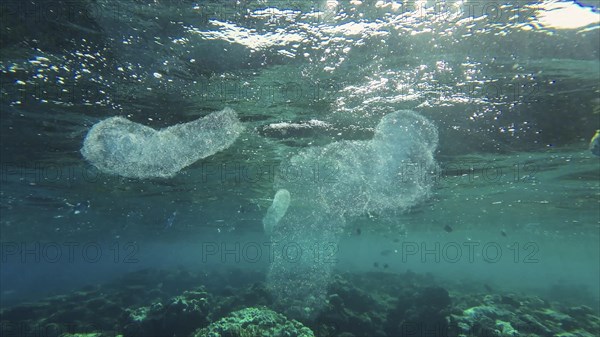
(300, 168)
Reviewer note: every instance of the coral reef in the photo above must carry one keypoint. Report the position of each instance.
(236, 303)
(255, 322)
(178, 316)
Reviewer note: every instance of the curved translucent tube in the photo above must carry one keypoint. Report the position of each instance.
(119, 146)
(277, 210)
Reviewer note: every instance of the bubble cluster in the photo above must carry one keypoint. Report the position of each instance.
(119, 146)
(364, 176)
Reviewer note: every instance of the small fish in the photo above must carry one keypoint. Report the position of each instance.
(243, 209)
(9, 292)
(488, 288)
(448, 229)
(375, 264)
(503, 233)
(396, 240)
(358, 231)
(388, 252)
(81, 207)
(385, 266)
(170, 220)
(595, 144)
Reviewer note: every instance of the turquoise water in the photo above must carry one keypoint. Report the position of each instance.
(425, 145)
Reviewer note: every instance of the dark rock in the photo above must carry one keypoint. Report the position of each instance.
(421, 313)
(180, 316)
(511, 300)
